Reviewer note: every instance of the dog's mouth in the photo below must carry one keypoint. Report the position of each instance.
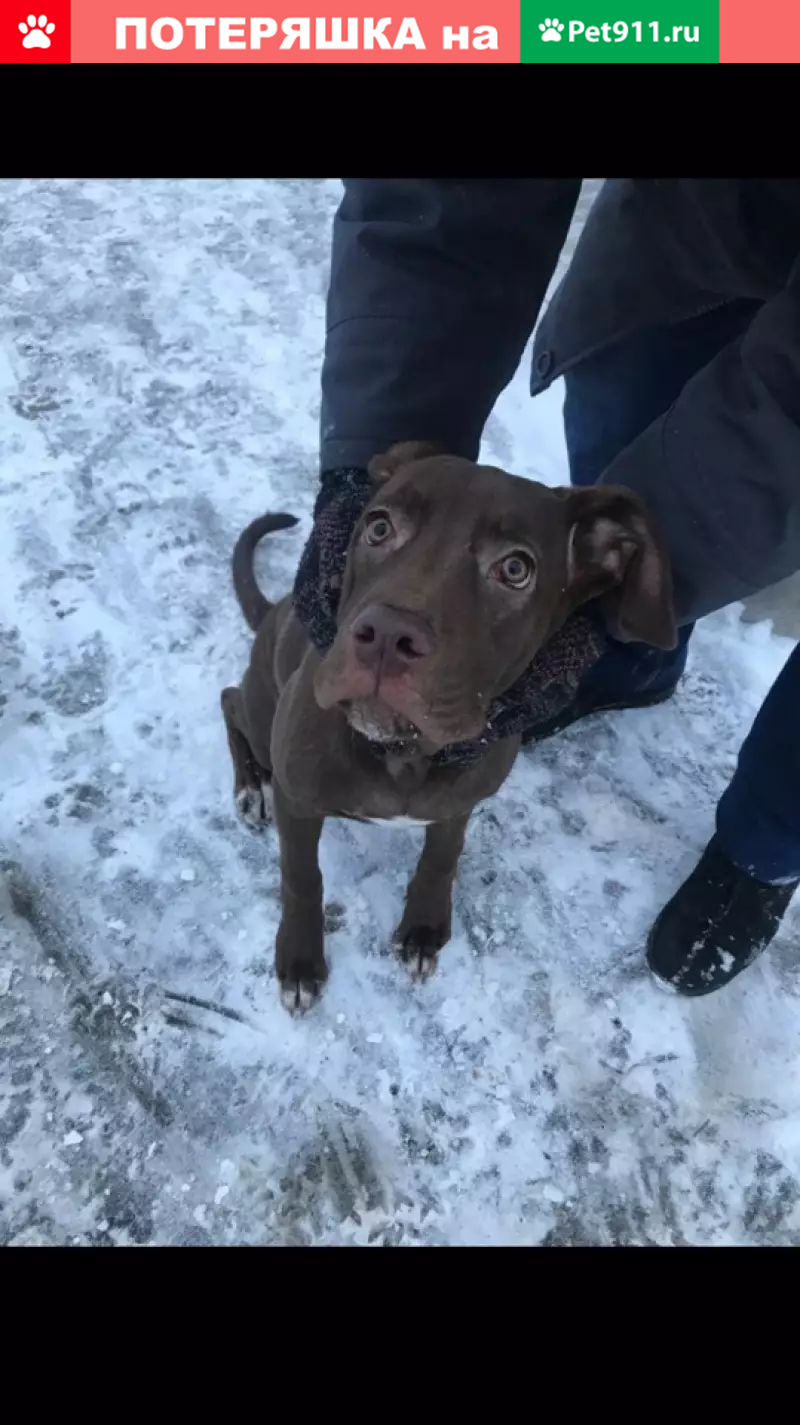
(376, 721)
(392, 709)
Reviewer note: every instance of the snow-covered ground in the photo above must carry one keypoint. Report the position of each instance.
(159, 354)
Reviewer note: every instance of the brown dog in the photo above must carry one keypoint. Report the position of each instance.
(456, 576)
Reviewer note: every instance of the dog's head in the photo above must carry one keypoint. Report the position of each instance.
(456, 576)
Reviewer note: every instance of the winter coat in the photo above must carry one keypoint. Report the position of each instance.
(437, 284)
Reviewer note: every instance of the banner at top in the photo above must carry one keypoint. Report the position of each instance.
(155, 32)
(438, 31)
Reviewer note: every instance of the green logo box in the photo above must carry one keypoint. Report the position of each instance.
(619, 32)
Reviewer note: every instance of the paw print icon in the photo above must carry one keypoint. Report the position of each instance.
(551, 30)
(36, 32)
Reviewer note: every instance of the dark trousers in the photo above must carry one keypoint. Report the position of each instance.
(610, 399)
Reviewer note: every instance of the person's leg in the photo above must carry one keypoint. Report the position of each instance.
(758, 817)
(730, 908)
(611, 399)
(732, 904)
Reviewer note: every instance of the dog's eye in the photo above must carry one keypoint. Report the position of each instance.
(378, 529)
(516, 570)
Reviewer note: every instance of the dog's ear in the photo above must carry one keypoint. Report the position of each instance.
(614, 552)
(382, 467)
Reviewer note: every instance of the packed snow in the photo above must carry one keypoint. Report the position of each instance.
(160, 349)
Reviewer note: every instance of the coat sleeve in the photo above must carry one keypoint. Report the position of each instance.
(721, 470)
(435, 287)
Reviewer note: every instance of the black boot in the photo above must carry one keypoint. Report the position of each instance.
(716, 925)
(589, 706)
(626, 676)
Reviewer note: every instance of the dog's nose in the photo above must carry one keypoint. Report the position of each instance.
(391, 639)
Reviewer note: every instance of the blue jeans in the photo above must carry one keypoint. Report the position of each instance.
(610, 399)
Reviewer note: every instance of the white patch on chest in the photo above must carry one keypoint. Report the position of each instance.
(395, 821)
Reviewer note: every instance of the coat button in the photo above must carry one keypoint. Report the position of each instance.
(544, 362)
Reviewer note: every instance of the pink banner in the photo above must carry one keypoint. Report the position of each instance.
(456, 31)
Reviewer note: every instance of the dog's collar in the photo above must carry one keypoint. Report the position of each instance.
(458, 754)
(547, 686)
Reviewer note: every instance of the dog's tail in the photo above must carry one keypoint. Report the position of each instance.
(253, 604)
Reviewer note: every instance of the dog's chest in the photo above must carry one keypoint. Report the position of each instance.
(395, 793)
(393, 821)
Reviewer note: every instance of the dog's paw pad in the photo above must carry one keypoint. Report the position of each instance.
(300, 992)
(254, 805)
(419, 950)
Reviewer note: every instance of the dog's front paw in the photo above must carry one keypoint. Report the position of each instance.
(254, 805)
(301, 987)
(419, 946)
